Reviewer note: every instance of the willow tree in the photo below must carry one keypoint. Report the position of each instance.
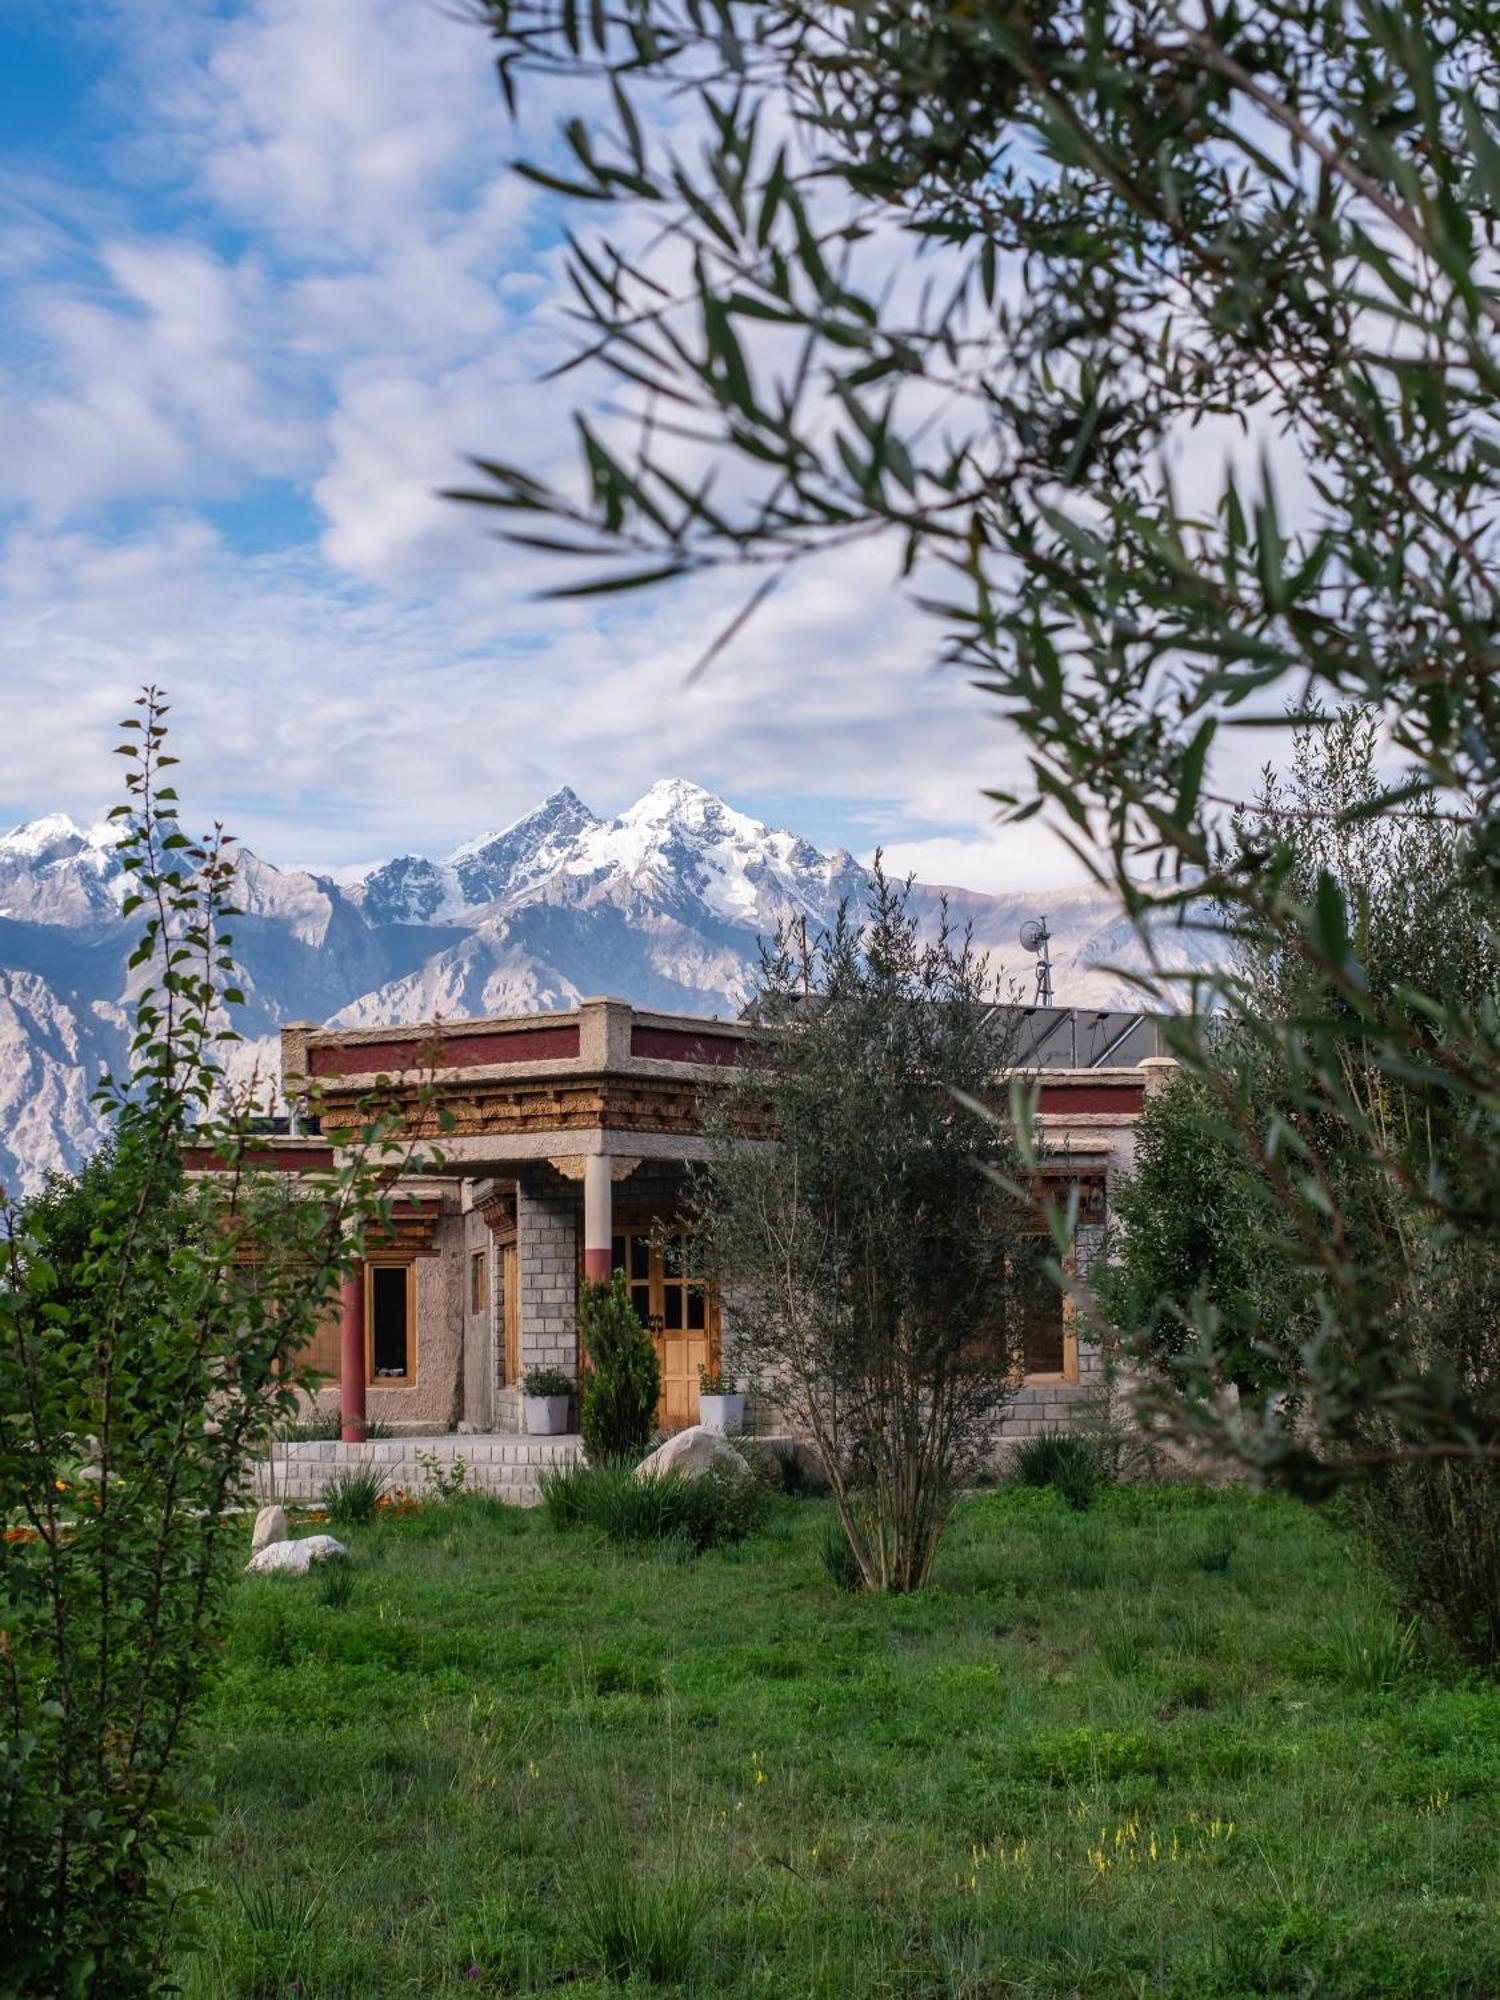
(1158, 341)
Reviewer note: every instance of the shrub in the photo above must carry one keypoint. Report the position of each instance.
(1374, 1654)
(546, 1382)
(705, 1513)
(1057, 1459)
(619, 1392)
(353, 1496)
(153, 1312)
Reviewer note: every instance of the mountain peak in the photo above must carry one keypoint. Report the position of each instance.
(560, 807)
(47, 838)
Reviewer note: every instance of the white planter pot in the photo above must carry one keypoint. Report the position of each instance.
(546, 1416)
(724, 1414)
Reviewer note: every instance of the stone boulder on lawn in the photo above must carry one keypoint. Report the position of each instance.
(295, 1558)
(692, 1453)
(270, 1526)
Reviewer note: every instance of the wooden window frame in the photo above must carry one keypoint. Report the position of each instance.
(479, 1282)
(1050, 1378)
(510, 1281)
(409, 1265)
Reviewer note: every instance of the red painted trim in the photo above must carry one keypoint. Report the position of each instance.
(596, 1266)
(449, 1050)
(1123, 1099)
(685, 1045)
(281, 1159)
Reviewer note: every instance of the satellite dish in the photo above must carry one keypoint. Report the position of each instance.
(1036, 937)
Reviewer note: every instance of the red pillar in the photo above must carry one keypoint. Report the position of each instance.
(352, 1355)
(598, 1216)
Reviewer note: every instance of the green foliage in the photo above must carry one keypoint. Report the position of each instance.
(838, 1558)
(877, 1255)
(151, 1324)
(620, 1389)
(1213, 1283)
(1059, 1459)
(738, 1711)
(637, 1917)
(546, 1382)
(1200, 1241)
(353, 1494)
(1100, 242)
(710, 1511)
(442, 1480)
(336, 1585)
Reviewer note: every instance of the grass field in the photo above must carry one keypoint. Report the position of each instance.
(1176, 1744)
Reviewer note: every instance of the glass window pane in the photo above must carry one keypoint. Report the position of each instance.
(672, 1307)
(389, 1333)
(617, 1253)
(640, 1298)
(640, 1257)
(697, 1308)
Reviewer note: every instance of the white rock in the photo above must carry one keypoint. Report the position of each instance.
(270, 1526)
(295, 1558)
(692, 1453)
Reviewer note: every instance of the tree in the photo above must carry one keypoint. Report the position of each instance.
(871, 1262)
(153, 1312)
(1211, 1280)
(622, 1380)
(1200, 1252)
(973, 281)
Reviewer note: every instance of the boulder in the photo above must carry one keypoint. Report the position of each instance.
(692, 1453)
(270, 1526)
(295, 1558)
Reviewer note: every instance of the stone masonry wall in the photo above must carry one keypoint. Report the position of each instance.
(547, 1253)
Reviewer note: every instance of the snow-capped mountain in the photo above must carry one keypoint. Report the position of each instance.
(664, 905)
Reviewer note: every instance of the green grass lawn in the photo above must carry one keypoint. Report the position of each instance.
(1172, 1745)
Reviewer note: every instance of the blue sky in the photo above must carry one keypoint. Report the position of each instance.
(264, 279)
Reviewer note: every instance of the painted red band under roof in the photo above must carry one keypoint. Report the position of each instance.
(687, 1045)
(279, 1159)
(453, 1049)
(1123, 1099)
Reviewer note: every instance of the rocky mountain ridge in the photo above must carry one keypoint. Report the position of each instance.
(664, 904)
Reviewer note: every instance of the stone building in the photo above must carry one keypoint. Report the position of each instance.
(571, 1136)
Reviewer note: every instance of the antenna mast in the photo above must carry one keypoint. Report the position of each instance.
(1036, 937)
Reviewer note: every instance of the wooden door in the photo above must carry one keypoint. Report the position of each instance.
(511, 1306)
(678, 1312)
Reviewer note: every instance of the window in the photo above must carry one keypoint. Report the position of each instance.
(390, 1324)
(477, 1298)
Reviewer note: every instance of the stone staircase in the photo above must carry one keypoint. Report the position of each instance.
(504, 1465)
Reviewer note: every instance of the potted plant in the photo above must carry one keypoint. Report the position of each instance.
(721, 1407)
(546, 1393)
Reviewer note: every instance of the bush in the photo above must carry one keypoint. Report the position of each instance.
(546, 1382)
(1057, 1459)
(352, 1497)
(619, 1392)
(152, 1331)
(704, 1513)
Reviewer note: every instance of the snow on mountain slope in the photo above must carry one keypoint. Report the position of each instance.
(664, 904)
